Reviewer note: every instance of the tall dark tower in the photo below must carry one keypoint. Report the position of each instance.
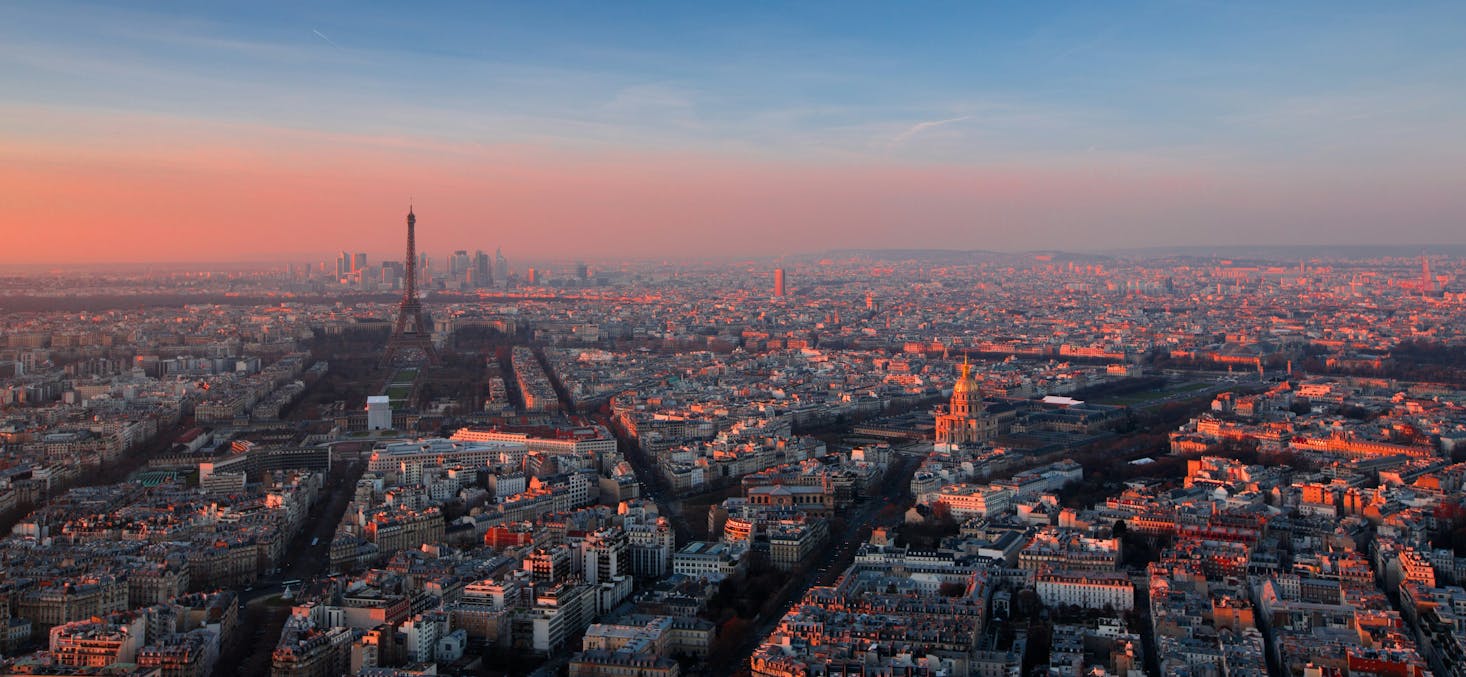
(411, 335)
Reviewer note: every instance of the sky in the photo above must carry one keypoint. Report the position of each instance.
(182, 131)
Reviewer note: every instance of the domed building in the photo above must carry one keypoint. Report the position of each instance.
(964, 422)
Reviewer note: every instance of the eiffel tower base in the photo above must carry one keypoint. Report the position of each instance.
(409, 349)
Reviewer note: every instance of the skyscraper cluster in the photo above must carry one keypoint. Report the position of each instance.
(475, 272)
(349, 264)
(464, 270)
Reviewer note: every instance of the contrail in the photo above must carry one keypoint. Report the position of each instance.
(322, 36)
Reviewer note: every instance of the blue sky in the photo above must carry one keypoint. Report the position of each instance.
(1330, 96)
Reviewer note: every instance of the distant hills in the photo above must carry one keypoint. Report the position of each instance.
(934, 256)
(1294, 252)
(956, 257)
(1281, 253)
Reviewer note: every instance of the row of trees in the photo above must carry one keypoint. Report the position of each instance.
(738, 604)
(1450, 532)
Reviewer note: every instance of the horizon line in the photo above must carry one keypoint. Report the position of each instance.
(1111, 252)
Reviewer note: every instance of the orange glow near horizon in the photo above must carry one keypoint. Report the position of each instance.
(280, 199)
(236, 193)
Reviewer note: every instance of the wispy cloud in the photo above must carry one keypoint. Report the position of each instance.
(920, 127)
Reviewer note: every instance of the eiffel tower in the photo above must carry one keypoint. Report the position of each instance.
(411, 336)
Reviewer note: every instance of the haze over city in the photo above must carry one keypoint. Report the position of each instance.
(705, 339)
(275, 131)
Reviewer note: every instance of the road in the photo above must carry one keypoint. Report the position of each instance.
(828, 567)
(259, 621)
(651, 483)
(1147, 632)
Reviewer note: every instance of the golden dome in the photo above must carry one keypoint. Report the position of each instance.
(964, 383)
